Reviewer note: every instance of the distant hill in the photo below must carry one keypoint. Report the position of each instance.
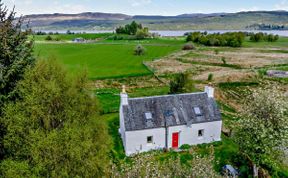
(214, 21)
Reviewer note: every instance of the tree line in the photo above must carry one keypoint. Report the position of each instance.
(257, 37)
(231, 39)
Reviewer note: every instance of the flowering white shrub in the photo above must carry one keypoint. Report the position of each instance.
(263, 131)
(149, 165)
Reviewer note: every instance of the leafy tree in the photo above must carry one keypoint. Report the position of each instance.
(131, 29)
(15, 56)
(263, 131)
(178, 84)
(54, 130)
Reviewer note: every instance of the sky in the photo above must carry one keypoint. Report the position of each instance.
(143, 7)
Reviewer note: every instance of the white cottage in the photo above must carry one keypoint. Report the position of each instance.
(169, 121)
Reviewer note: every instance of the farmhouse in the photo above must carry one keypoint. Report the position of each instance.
(169, 121)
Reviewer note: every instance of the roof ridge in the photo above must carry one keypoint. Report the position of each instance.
(163, 96)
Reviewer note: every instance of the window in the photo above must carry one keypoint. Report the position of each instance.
(150, 139)
(148, 115)
(197, 111)
(200, 133)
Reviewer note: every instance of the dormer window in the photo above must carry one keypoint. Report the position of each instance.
(197, 111)
(148, 115)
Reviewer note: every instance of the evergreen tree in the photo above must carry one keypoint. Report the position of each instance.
(15, 53)
(15, 56)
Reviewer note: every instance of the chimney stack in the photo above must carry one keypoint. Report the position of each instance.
(124, 97)
(210, 91)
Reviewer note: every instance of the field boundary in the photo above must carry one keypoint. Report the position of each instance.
(153, 72)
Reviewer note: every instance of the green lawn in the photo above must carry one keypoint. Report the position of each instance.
(105, 60)
(109, 98)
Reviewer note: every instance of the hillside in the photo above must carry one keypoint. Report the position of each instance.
(259, 20)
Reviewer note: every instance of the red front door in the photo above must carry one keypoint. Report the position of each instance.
(175, 140)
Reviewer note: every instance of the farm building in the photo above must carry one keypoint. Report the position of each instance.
(169, 121)
(78, 40)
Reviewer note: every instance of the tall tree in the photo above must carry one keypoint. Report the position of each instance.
(263, 130)
(15, 52)
(54, 130)
(15, 56)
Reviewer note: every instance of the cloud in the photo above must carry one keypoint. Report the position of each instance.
(283, 5)
(25, 7)
(136, 3)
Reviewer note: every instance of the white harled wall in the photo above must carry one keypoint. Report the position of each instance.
(136, 141)
(189, 135)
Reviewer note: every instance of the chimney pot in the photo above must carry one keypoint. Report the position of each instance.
(210, 91)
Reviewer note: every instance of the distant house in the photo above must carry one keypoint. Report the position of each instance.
(78, 40)
(169, 121)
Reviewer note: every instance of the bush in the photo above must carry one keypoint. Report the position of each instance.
(210, 77)
(57, 39)
(48, 38)
(188, 46)
(139, 50)
(185, 147)
(178, 84)
(223, 59)
(142, 33)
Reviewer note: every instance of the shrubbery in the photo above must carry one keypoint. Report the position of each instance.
(188, 46)
(210, 77)
(139, 50)
(48, 38)
(232, 39)
(257, 37)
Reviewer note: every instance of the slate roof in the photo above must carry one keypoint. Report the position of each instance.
(172, 110)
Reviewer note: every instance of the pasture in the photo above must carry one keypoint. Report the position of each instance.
(106, 59)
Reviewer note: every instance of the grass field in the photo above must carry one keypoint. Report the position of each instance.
(106, 60)
(66, 37)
